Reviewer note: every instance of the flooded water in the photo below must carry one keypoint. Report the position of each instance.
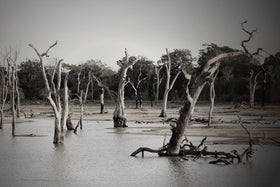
(98, 156)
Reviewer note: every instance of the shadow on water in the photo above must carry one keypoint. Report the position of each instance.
(98, 155)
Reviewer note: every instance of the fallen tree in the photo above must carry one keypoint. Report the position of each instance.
(175, 146)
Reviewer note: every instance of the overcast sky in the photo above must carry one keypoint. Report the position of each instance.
(101, 29)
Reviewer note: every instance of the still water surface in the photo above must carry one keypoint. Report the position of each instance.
(98, 156)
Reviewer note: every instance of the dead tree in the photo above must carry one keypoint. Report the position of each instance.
(17, 95)
(102, 92)
(173, 148)
(252, 86)
(54, 94)
(12, 81)
(119, 115)
(4, 73)
(168, 85)
(211, 83)
(158, 68)
(82, 97)
(137, 88)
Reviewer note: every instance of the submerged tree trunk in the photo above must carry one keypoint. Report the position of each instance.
(187, 110)
(54, 95)
(12, 66)
(119, 115)
(173, 148)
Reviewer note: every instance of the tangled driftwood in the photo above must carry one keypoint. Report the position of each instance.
(187, 148)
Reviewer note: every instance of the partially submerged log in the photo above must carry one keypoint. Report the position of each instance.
(30, 135)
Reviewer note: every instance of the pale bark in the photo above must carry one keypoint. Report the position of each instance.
(60, 112)
(212, 97)
(186, 112)
(4, 88)
(12, 80)
(159, 80)
(102, 101)
(83, 97)
(173, 148)
(18, 95)
(252, 87)
(102, 86)
(168, 86)
(119, 115)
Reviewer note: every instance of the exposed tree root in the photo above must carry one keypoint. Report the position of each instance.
(187, 148)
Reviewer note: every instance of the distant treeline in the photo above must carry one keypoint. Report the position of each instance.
(232, 82)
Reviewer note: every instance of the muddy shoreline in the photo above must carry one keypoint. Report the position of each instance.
(264, 124)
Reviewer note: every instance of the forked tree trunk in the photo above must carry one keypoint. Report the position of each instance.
(168, 86)
(252, 86)
(212, 97)
(186, 112)
(83, 97)
(12, 80)
(119, 115)
(54, 95)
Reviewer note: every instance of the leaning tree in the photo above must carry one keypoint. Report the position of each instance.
(174, 148)
(55, 95)
(119, 115)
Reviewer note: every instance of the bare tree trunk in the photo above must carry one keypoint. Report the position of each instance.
(81, 110)
(54, 95)
(119, 115)
(186, 112)
(18, 95)
(1, 120)
(12, 79)
(263, 86)
(65, 108)
(168, 86)
(58, 135)
(83, 97)
(252, 86)
(5, 80)
(212, 97)
(159, 80)
(102, 101)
